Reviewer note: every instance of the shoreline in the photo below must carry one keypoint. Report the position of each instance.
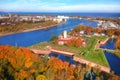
(32, 29)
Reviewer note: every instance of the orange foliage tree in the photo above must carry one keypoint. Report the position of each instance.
(75, 42)
(97, 30)
(21, 64)
(110, 32)
(87, 29)
(117, 32)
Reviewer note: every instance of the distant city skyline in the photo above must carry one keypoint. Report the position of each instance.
(60, 5)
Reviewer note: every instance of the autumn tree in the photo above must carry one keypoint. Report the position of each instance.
(114, 77)
(97, 30)
(117, 32)
(72, 32)
(76, 42)
(41, 77)
(88, 30)
(21, 64)
(49, 75)
(6, 70)
(79, 28)
(110, 32)
(79, 72)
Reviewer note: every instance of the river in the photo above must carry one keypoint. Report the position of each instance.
(33, 37)
(113, 60)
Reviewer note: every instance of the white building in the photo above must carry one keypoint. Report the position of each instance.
(63, 17)
(82, 32)
(60, 18)
(99, 23)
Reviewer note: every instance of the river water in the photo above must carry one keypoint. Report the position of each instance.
(106, 15)
(33, 37)
(63, 57)
(113, 60)
(109, 45)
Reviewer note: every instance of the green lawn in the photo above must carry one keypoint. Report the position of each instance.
(87, 52)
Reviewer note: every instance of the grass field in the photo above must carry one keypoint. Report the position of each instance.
(86, 52)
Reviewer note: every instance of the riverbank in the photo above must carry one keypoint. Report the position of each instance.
(32, 29)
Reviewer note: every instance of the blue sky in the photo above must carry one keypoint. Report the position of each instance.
(60, 5)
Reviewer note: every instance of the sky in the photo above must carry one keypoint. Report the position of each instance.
(60, 5)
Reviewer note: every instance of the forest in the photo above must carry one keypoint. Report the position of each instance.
(19, 63)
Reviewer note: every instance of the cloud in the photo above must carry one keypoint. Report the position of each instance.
(91, 8)
(57, 6)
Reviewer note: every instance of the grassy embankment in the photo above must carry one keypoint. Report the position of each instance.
(25, 26)
(87, 52)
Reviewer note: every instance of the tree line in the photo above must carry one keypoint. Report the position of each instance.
(18, 63)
